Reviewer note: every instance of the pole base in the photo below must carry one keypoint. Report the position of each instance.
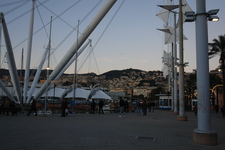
(208, 138)
(175, 113)
(182, 118)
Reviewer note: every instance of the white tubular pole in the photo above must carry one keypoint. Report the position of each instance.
(29, 46)
(37, 75)
(203, 134)
(76, 45)
(202, 67)
(72, 60)
(2, 85)
(175, 111)
(181, 116)
(68, 64)
(11, 63)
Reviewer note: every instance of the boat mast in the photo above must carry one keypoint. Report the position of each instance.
(75, 69)
(48, 65)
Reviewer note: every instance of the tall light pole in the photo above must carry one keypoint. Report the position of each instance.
(181, 116)
(203, 134)
(175, 110)
(170, 8)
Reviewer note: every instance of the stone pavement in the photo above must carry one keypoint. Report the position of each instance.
(159, 131)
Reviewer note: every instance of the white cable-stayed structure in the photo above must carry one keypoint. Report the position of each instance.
(60, 68)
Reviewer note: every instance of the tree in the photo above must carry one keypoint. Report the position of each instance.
(217, 47)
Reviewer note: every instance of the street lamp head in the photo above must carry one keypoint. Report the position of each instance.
(213, 12)
(190, 16)
(189, 13)
(213, 18)
(190, 19)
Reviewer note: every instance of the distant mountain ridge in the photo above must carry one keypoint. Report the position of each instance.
(108, 75)
(119, 73)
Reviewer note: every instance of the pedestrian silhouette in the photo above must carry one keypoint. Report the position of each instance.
(195, 109)
(100, 106)
(33, 107)
(93, 104)
(63, 107)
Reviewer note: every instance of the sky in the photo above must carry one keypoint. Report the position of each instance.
(127, 37)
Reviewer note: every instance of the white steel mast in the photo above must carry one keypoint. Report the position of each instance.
(10, 56)
(48, 66)
(29, 46)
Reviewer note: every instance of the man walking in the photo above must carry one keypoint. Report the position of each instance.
(33, 107)
(122, 105)
(100, 106)
(63, 107)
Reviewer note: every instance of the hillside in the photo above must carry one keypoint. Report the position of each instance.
(119, 73)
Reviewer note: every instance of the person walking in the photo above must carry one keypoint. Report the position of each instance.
(122, 105)
(93, 104)
(63, 107)
(33, 107)
(138, 108)
(195, 109)
(144, 108)
(223, 110)
(100, 106)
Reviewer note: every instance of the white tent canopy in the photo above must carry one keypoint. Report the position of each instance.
(55, 92)
(101, 95)
(79, 93)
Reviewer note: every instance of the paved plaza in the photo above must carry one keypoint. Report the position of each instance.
(159, 131)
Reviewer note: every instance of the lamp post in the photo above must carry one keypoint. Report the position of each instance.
(181, 116)
(170, 8)
(175, 111)
(203, 134)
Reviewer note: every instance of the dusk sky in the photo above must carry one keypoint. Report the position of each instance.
(131, 40)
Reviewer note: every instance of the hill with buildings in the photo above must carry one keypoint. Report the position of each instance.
(114, 80)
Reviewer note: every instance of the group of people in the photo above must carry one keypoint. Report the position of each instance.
(6, 103)
(143, 105)
(100, 106)
(123, 107)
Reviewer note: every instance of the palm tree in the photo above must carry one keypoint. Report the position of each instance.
(217, 47)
